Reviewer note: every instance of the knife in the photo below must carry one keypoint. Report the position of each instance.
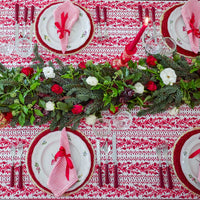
(16, 24)
(99, 163)
(32, 22)
(194, 153)
(114, 148)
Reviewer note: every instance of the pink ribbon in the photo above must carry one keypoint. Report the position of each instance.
(61, 27)
(193, 30)
(62, 153)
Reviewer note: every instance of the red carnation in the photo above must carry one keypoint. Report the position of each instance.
(57, 89)
(8, 116)
(151, 61)
(116, 110)
(82, 65)
(151, 86)
(77, 109)
(28, 71)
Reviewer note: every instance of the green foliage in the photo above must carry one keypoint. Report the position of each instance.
(31, 100)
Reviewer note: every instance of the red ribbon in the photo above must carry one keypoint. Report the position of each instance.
(61, 27)
(193, 30)
(62, 153)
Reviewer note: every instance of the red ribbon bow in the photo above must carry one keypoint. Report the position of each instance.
(193, 30)
(62, 153)
(61, 27)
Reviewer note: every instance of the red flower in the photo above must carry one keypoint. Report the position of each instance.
(151, 86)
(151, 61)
(57, 89)
(116, 110)
(8, 116)
(77, 109)
(28, 71)
(82, 65)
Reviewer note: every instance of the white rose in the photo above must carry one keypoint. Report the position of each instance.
(139, 88)
(48, 72)
(91, 80)
(49, 106)
(168, 76)
(90, 120)
(141, 67)
(174, 111)
(1, 75)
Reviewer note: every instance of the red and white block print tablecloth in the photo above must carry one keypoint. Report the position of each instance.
(138, 164)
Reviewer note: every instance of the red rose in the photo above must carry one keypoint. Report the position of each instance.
(57, 89)
(151, 61)
(116, 110)
(151, 86)
(77, 109)
(82, 65)
(8, 116)
(28, 71)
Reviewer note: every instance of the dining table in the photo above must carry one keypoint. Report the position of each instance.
(138, 164)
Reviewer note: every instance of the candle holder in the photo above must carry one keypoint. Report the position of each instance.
(130, 49)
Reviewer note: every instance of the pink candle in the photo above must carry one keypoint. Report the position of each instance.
(132, 45)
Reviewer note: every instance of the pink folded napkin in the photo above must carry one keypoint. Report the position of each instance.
(65, 17)
(191, 17)
(63, 175)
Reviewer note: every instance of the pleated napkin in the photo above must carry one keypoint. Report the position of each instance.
(63, 174)
(191, 17)
(65, 16)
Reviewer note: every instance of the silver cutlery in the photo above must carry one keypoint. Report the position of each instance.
(153, 11)
(114, 149)
(19, 153)
(99, 163)
(106, 149)
(105, 23)
(140, 14)
(12, 175)
(32, 22)
(165, 153)
(159, 151)
(99, 32)
(16, 24)
(25, 21)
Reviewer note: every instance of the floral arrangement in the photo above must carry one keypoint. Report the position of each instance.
(64, 94)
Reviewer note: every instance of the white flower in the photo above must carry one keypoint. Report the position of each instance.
(168, 76)
(90, 120)
(49, 106)
(139, 88)
(1, 75)
(141, 67)
(48, 72)
(91, 80)
(174, 111)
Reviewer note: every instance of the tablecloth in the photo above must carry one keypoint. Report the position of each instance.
(138, 162)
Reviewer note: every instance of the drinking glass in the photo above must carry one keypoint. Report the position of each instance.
(101, 127)
(7, 41)
(122, 120)
(168, 46)
(24, 47)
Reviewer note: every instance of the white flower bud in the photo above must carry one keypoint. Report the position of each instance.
(139, 88)
(91, 80)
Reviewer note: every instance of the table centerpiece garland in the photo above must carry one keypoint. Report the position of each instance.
(66, 94)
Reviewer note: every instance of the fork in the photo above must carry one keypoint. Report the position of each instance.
(106, 149)
(12, 153)
(19, 153)
(158, 151)
(165, 153)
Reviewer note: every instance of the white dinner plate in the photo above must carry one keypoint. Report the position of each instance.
(177, 29)
(190, 166)
(46, 31)
(41, 154)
